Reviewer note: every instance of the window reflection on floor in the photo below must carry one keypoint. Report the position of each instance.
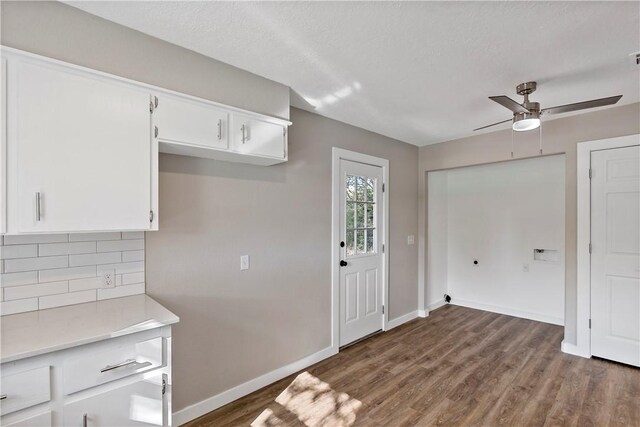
(313, 403)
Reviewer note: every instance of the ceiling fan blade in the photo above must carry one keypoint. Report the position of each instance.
(509, 103)
(488, 126)
(582, 105)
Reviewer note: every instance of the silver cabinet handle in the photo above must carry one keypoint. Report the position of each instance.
(84, 420)
(3, 397)
(243, 131)
(119, 365)
(219, 129)
(37, 206)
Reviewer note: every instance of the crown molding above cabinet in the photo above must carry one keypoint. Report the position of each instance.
(79, 148)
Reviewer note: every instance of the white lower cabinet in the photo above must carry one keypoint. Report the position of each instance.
(123, 381)
(140, 403)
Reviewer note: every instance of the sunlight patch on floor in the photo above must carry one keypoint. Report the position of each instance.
(314, 403)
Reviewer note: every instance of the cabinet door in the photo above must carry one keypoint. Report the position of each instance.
(80, 150)
(138, 404)
(187, 121)
(257, 137)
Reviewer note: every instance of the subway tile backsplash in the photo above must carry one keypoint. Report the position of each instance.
(46, 271)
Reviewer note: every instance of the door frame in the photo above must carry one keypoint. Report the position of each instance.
(583, 288)
(337, 155)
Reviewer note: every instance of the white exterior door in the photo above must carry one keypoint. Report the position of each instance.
(615, 257)
(361, 273)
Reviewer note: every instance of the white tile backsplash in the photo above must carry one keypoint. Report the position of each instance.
(45, 271)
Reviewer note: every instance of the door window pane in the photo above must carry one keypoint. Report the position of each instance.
(360, 215)
(350, 243)
(350, 215)
(351, 187)
(370, 241)
(359, 241)
(361, 187)
(370, 212)
(371, 184)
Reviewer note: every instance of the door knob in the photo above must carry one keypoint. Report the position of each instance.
(343, 263)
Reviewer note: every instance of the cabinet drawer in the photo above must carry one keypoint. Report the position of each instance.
(138, 404)
(24, 389)
(40, 420)
(188, 121)
(99, 366)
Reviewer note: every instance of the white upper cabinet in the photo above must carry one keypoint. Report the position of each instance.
(196, 127)
(187, 121)
(78, 150)
(259, 137)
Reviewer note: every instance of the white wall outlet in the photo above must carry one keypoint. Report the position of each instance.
(244, 262)
(108, 279)
(525, 267)
(411, 239)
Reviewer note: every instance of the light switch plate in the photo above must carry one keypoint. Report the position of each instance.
(411, 239)
(244, 262)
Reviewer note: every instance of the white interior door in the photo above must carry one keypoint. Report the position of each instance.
(361, 273)
(615, 257)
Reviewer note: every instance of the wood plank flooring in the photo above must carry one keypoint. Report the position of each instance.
(460, 367)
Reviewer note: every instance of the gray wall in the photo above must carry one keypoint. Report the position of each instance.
(62, 32)
(558, 136)
(235, 325)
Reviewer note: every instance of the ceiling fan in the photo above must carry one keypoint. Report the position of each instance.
(526, 116)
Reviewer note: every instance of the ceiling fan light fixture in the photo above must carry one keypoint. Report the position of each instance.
(526, 121)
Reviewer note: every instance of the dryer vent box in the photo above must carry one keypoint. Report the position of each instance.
(547, 255)
(634, 60)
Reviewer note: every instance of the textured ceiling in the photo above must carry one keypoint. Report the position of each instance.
(419, 72)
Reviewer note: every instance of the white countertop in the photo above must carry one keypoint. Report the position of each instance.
(38, 332)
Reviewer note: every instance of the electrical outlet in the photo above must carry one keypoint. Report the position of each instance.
(244, 262)
(525, 267)
(411, 239)
(108, 279)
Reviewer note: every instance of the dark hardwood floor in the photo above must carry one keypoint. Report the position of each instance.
(458, 367)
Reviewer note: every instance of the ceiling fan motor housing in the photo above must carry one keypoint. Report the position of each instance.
(526, 88)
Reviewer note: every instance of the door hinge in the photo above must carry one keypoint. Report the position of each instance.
(589, 323)
(383, 187)
(590, 248)
(150, 216)
(383, 248)
(383, 309)
(164, 386)
(153, 104)
(155, 131)
(590, 173)
(284, 131)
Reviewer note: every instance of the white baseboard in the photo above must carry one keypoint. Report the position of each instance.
(198, 409)
(509, 311)
(423, 313)
(574, 350)
(402, 319)
(436, 304)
